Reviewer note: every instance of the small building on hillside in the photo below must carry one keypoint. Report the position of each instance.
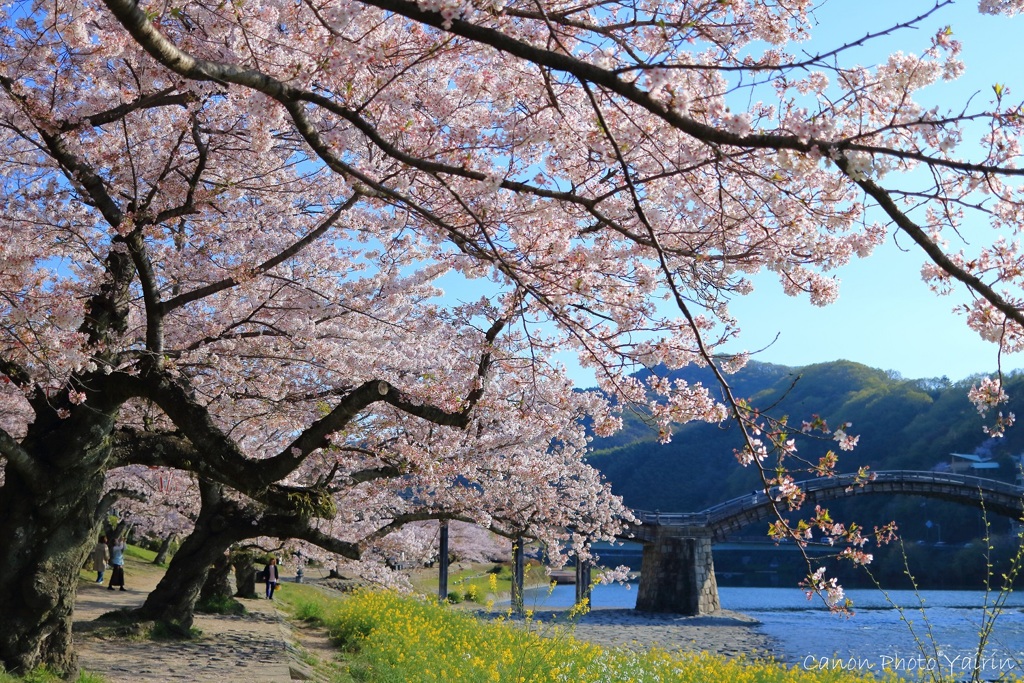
(972, 464)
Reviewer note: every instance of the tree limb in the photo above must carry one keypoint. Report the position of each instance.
(23, 463)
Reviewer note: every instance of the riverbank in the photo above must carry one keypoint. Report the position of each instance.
(726, 633)
(263, 646)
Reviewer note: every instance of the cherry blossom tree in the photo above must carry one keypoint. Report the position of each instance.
(505, 476)
(156, 502)
(622, 120)
(226, 227)
(316, 332)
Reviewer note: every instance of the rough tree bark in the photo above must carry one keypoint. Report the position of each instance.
(50, 524)
(244, 563)
(165, 549)
(217, 587)
(174, 598)
(222, 522)
(52, 501)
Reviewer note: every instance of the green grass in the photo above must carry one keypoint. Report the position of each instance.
(220, 605)
(388, 638)
(139, 553)
(478, 583)
(44, 676)
(136, 559)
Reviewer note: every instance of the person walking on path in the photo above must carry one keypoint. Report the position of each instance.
(100, 555)
(117, 564)
(272, 577)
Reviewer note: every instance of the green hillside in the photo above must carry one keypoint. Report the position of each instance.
(902, 424)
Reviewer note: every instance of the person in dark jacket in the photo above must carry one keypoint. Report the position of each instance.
(271, 577)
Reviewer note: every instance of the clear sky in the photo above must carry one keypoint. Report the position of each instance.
(886, 317)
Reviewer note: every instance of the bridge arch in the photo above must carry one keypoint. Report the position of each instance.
(678, 569)
(998, 497)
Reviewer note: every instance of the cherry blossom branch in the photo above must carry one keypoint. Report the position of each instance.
(150, 295)
(112, 496)
(289, 96)
(174, 450)
(222, 454)
(739, 410)
(317, 435)
(172, 57)
(107, 312)
(163, 98)
(202, 158)
(287, 526)
(818, 59)
(162, 49)
(399, 521)
(77, 171)
(245, 520)
(322, 228)
(916, 233)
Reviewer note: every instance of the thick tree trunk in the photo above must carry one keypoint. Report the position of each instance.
(218, 584)
(45, 538)
(174, 599)
(165, 549)
(244, 563)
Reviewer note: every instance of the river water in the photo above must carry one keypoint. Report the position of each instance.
(874, 638)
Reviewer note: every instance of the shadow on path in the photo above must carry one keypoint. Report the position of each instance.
(252, 647)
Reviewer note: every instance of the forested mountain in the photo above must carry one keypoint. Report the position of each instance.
(902, 424)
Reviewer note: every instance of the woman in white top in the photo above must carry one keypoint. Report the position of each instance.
(117, 564)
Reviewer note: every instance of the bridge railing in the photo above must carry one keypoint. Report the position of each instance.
(656, 518)
(759, 498)
(943, 478)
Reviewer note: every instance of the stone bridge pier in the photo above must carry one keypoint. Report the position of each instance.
(678, 572)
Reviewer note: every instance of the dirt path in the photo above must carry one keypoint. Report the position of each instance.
(256, 647)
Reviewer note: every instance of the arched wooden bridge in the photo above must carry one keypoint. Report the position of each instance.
(678, 572)
(998, 497)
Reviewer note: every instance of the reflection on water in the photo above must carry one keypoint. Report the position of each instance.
(945, 637)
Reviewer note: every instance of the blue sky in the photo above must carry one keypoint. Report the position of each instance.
(885, 316)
